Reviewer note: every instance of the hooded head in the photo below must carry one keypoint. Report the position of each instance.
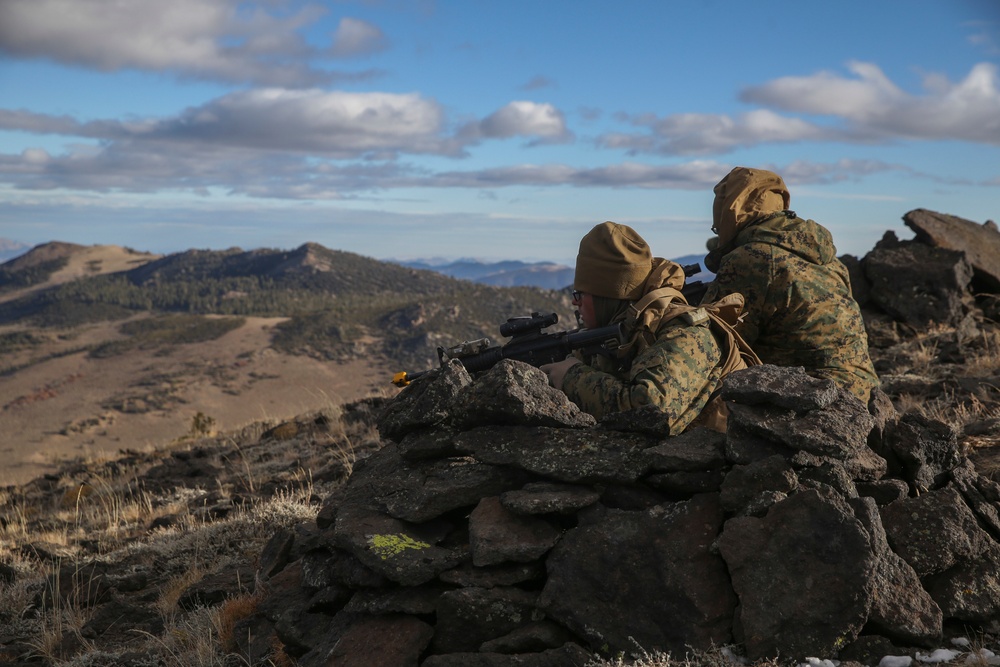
(613, 262)
(743, 196)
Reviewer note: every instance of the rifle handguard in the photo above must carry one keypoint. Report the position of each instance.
(528, 344)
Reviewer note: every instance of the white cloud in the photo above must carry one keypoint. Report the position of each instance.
(333, 124)
(872, 106)
(525, 119)
(339, 124)
(206, 39)
(708, 134)
(867, 108)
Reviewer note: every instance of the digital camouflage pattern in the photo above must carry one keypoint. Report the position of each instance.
(799, 310)
(677, 374)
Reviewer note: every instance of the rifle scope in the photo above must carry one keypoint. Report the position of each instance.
(516, 326)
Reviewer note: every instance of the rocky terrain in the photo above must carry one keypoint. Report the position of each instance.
(486, 521)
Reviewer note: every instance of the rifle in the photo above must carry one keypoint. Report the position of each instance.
(528, 343)
(693, 291)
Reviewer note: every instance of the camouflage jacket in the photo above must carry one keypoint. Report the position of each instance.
(677, 374)
(799, 309)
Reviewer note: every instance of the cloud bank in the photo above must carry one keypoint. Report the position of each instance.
(217, 40)
(288, 132)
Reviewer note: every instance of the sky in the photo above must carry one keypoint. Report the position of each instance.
(487, 129)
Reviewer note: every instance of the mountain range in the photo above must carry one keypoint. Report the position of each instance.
(104, 344)
(505, 273)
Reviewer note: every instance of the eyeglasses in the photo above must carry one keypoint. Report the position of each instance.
(577, 295)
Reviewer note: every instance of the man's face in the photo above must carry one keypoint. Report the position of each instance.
(585, 304)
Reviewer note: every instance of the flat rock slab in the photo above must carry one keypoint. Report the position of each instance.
(561, 454)
(401, 552)
(980, 243)
(697, 450)
(497, 535)
(549, 498)
(783, 387)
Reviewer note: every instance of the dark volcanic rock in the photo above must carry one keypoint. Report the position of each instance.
(425, 489)
(382, 640)
(497, 535)
(927, 450)
(839, 430)
(396, 550)
(980, 494)
(469, 617)
(901, 609)
(566, 455)
(549, 498)
(696, 450)
(916, 283)
(970, 591)
(788, 388)
(803, 574)
(980, 243)
(752, 488)
(568, 655)
(650, 576)
(427, 401)
(934, 531)
(513, 392)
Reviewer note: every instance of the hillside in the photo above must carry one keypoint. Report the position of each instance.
(128, 347)
(57, 263)
(486, 521)
(269, 543)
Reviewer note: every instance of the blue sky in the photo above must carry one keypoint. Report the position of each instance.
(497, 130)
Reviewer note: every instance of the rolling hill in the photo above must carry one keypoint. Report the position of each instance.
(101, 345)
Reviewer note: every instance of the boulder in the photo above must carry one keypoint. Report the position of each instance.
(901, 609)
(916, 283)
(425, 402)
(513, 392)
(649, 578)
(497, 535)
(934, 531)
(469, 617)
(970, 591)
(927, 449)
(804, 575)
(980, 243)
(398, 551)
(565, 455)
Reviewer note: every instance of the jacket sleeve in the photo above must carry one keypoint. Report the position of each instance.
(677, 374)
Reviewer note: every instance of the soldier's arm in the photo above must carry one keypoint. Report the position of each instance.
(677, 375)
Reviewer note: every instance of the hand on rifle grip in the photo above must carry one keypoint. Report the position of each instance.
(557, 371)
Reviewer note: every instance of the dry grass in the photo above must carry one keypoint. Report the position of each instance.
(98, 516)
(231, 612)
(720, 656)
(949, 408)
(967, 653)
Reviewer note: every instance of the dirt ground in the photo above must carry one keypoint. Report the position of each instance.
(73, 406)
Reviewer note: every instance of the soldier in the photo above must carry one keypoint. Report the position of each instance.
(799, 309)
(675, 355)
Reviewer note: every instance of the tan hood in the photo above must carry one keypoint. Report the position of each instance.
(744, 195)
